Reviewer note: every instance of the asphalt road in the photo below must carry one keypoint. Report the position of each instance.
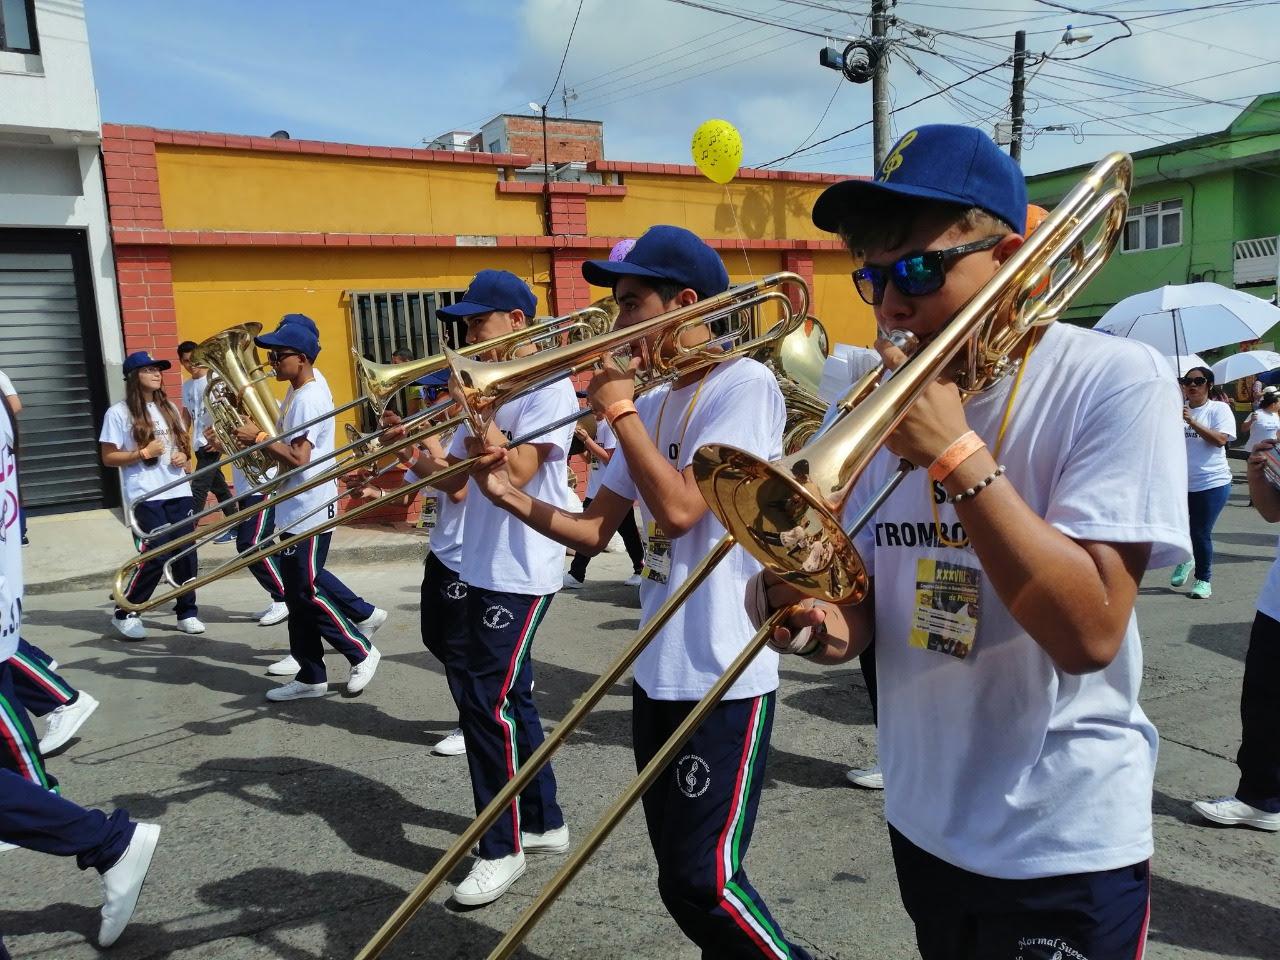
(292, 830)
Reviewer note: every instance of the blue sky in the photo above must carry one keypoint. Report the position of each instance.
(397, 71)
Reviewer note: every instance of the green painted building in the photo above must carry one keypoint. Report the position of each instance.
(1207, 208)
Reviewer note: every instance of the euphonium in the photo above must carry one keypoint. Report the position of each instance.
(796, 361)
(238, 391)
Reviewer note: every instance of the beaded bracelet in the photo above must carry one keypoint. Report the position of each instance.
(977, 487)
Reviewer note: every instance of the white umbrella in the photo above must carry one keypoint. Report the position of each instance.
(1247, 364)
(1195, 316)
(1180, 365)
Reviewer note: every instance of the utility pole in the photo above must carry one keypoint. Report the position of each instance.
(880, 81)
(1016, 100)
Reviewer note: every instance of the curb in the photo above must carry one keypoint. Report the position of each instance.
(364, 554)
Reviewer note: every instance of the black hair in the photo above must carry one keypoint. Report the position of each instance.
(883, 223)
(667, 290)
(1268, 398)
(404, 353)
(186, 346)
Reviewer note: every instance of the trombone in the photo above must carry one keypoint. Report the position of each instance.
(236, 364)
(526, 374)
(1066, 250)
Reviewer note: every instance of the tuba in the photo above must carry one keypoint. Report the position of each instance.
(238, 391)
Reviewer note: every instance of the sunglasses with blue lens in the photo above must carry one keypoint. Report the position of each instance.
(914, 275)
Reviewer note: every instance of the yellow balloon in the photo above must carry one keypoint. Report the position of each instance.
(717, 150)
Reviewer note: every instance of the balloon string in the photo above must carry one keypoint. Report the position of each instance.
(742, 237)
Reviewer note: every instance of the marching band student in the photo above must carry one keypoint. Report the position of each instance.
(511, 574)
(366, 616)
(701, 811)
(601, 448)
(46, 694)
(1018, 764)
(313, 615)
(443, 607)
(32, 813)
(143, 435)
(196, 418)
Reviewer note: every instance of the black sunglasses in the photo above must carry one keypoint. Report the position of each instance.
(275, 356)
(1193, 381)
(914, 275)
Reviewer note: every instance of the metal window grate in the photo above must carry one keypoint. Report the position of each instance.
(384, 321)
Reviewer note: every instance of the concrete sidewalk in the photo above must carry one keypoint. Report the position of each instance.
(83, 550)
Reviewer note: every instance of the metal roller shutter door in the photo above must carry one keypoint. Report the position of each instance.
(42, 350)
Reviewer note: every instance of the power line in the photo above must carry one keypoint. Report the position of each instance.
(565, 56)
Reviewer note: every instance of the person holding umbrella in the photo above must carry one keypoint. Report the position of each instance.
(1264, 422)
(1209, 427)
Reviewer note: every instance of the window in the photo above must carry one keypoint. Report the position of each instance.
(385, 321)
(18, 26)
(495, 146)
(1153, 225)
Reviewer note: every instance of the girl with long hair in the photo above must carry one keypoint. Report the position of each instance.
(143, 435)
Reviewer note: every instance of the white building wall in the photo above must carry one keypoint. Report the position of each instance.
(50, 164)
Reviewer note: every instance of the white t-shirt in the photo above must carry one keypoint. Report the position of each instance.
(739, 404)
(446, 535)
(6, 386)
(305, 511)
(11, 580)
(607, 441)
(1265, 426)
(193, 392)
(1206, 464)
(499, 552)
(1000, 763)
(140, 479)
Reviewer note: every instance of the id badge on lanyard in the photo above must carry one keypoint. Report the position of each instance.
(947, 606)
(657, 554)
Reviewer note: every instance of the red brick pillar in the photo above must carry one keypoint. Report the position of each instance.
(569, 291)
(801, 262)
(146, 308)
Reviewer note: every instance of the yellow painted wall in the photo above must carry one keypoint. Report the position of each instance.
(206, 189)
(756, 209)
(836, 302)
(215, 288)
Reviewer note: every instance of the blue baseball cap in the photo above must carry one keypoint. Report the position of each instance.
(940, 161)
(493, 290)
(291, 336)
(140, 359)
(665, 253)
(302, 320)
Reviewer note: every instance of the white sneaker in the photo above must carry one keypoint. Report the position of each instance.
(130, 628)
(362, 672)
(489, 879)
(553, 841)
(190, 625)
(123, 882)
(1236, 813)
(571, 582)
(297, 690)
(369, 626)
(633, 581)
(52, 666)
(869, 778)
(276, 613)
(65, 721)
(454, 745)
(284, 668)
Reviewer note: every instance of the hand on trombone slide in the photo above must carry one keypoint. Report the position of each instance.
(932, 423)
(613, 381)
(812, 628)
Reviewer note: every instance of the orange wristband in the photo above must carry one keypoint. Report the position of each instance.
(961, 449)
(261, 436)
(619, 408)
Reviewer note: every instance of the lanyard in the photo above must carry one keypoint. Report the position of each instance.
(687, 414)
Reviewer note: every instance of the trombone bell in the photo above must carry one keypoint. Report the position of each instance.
(776, 511)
